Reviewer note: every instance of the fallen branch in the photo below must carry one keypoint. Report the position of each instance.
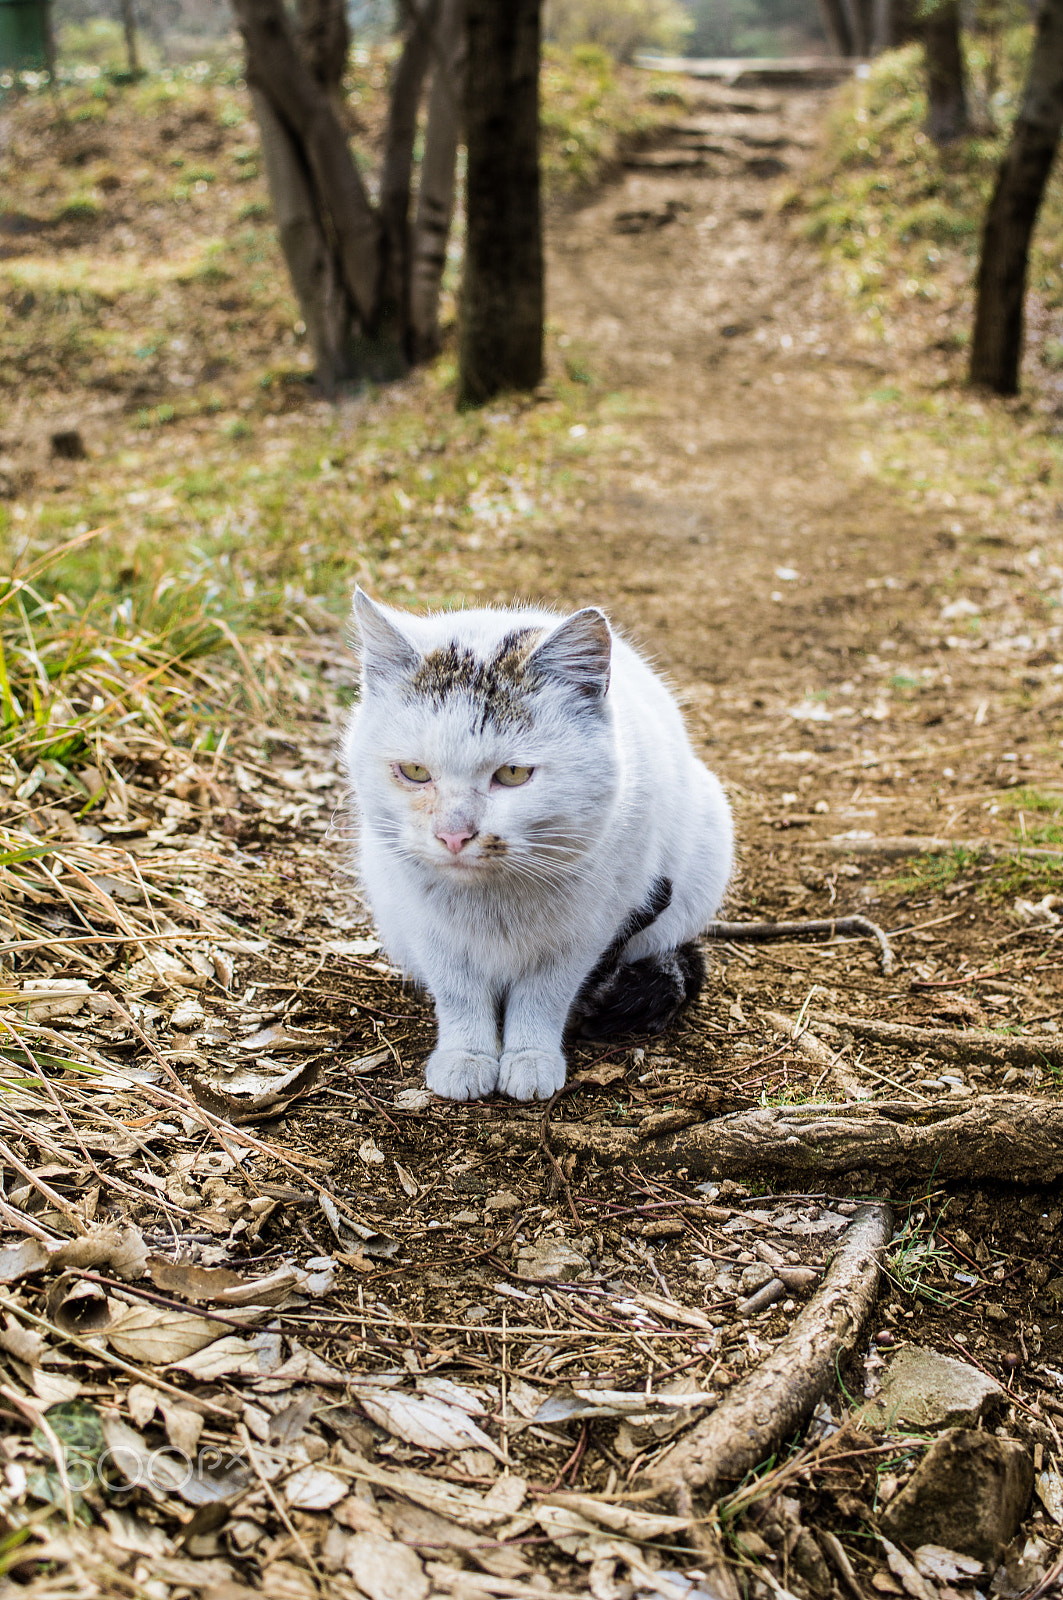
(927, 845)
(1009, 1138)
(1003, 1049)
(766, 932)
(763, 1410)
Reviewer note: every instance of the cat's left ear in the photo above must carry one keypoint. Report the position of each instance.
(386, 653)
(578, 652)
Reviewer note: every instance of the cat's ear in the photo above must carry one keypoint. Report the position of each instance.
(386, 653)
(578, 652)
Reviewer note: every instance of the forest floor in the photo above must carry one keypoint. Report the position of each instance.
(867, 644)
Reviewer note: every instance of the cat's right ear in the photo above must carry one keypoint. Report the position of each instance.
(386, 654)
(578, 653)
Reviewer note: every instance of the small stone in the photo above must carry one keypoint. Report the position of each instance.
(927, 1390)
(885, 1338)
(755, 1276)
(504, 1202)
(969, 1493)
(798, 1277)
(551, 1258)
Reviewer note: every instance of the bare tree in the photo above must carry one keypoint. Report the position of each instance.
(435, 192)
(501, 344)
(349, 260)
(996, 346)
(947, 115)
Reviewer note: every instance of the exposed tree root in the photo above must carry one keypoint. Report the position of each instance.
(1003, 1049)
(1009, 1138)
(765, 932)
(767, 1406)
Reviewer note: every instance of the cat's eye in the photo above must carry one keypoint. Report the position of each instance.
(413, 772)
(512, 777)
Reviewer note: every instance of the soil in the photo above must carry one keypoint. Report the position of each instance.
(732, 522)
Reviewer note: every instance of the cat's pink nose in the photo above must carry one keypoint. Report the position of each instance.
(456, 842)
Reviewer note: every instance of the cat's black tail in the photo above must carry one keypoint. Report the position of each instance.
(642, 996)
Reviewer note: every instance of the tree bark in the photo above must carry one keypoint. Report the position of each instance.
(276, 68)
(322, 298)
(393, 285)
(863, 26)
(836, 26)
(435, 194)
(997, 342)
(501, 345)
(324, 39)
(766, 1408)
(947, 116)
(1003, 1138)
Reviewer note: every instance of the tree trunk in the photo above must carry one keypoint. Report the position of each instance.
(323, 301)
(863, 25)
(324, 39)
(996, 348)
(947, 117)
(502, 290)
(836, 26)
(897, 24)
(393, 285)
(435, 194)
(318, 149)
(129, 28)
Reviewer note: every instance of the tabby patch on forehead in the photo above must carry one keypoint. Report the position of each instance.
(497, 687)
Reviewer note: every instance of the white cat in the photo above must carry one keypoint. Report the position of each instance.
(539, 844)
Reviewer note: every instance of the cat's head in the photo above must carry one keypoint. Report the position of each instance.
(484, 741)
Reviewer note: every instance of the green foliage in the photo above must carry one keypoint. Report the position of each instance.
(590, 111)
(620, 27)
(900, 219)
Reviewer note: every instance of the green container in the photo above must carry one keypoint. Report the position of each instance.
(23, 35)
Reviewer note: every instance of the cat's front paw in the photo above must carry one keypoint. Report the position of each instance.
(461, 1074)
(531, 1074)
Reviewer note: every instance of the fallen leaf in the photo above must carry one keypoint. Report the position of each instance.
(1049, 1486)
(385, 1570)
(429, 1423)
(156, 1334)
(313, 1489)
(224, 1358)
(947, 1566)
(907, 1574)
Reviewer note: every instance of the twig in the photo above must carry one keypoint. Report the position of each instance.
(252, 1456)
(778, 1397)
(1029, 1050)
(766, 932)
(544, 1146)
